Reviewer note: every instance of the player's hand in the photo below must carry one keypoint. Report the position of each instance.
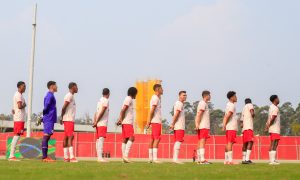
(119, 123)
(172, 127)
(13, 112)
(196, 128)
(24, 105)
(61, 121)
(223, 128)
(94, 125)
(147, 126)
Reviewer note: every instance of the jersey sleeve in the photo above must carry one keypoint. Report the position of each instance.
(178, 106)
(105, 103)
(275, 112)
(127, 102)
(155, 101)
(18, 97)
(250, 107)
(68, 97)
(201, 106)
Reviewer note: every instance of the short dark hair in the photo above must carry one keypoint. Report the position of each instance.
(105, 91)
(156, 86)
(50, 83)
(132, 91)
(182, 92)
(205, 93)
(273, 97)
(72, 84)
(248, 101)
(230, 94)
(20, 83)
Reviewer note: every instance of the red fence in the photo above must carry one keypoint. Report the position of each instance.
(84, 145)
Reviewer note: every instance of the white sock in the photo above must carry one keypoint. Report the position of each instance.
(100, 148)
(272, 155)
(150, 154)
(123, 149)
(198, 154)
(244, 155)
(176, 150)
(229, 154)
(202, 154)
(71, 151)
(226, 156)
(127, 149)
(13, 146)
(66, 153)
(248, 154)
(155, 154)
(97, 146)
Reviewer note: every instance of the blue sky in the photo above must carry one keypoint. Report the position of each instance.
(251, 47)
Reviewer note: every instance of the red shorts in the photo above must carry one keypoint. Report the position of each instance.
(179, 135)
(127, 131)
(156, 130)
(69, 128)
(231, 136)
(203, 134)
(248, 136)
(274, 136)
(101, 131)
(19, 127)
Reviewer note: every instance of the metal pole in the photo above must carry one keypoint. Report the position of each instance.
(31, 72)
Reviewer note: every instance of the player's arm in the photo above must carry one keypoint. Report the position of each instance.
(252, 113)
(100, 115)
(122, 114)
(21, 105)
(198, 119)
(63, 110)
(150, 116)
(175, 118)
(226, 119)
(270, 122)
(46, 105)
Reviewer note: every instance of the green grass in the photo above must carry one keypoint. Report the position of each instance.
(142, 171)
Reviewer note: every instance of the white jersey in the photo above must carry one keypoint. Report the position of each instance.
(103, 102)
(20, 114)
(71, 108)
(129, 115)
(180, 123)
(232, 122)
(205, 119)
(155, 101)
(275, 127)
(247, 117)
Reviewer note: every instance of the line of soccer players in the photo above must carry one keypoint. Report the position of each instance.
(154, 121)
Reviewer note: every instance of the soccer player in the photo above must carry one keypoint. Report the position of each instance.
(247, 125)
(202, 126)
(68, 113)
(273, 126)
(126, 120)
(19, 118)
(49, 118)
(230, 125)
(155, 120)
(178, 125)
(101, 122)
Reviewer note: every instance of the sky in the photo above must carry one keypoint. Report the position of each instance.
(251, 47)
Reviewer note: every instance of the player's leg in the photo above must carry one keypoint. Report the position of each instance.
(66, 149)
(274, 149)
(155, 150)
(151, 150)
(249, 150)
(244, 149)
(129, 143)
(202, 150)
(100, 149)
(272, 153)
(71, 149)
(178, 135)
(229, 152)
(18, 131)
(125, 140)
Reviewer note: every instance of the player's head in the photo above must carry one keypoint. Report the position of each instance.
(248, 101)
(132, 92)
(73, 87)
(106, 92)
(182, 96)
(51, 85)
(231, 95)
(21, 86)
(158, 89)
(275, 99)
(206, 95)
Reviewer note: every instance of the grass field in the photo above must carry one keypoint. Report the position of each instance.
(116, 170)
